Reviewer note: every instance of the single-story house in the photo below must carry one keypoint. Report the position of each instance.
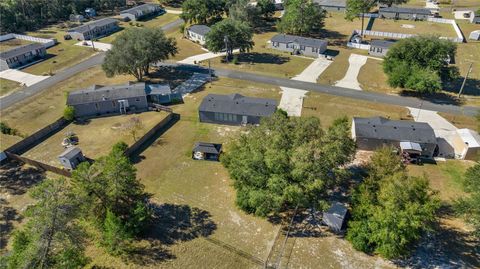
(376, 132)
(94, 29)
(299, 45)
(380, 47)
(468, 142)
(475, 35)
(235, 109)
(206, 151)
(198, 33)
(115, 99)
(71, 158)
(161, 94)
(467, 15)
(336, 217)
(19, 56)
(141, 12)
(332, 5)
(404, 13)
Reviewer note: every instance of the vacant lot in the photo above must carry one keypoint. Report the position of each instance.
(96, 136)
(12, 43)
(372, 78)
(413, 27)
(8, 86)
(337, 29)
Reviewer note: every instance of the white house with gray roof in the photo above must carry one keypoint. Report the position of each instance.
(94, 29)
(380, 47)
(197, 33)
(235, 109)
(404, 13)
(141, 12)
(299, 45)
(22, 55)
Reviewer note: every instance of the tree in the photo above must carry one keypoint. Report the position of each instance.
(298, 165)
(134, 50)
(469, 207)
(420, 63)
(69, 113)
(390, 3)
(133, 127)
(302, 17)
(390, 210)
(202, 11)
(51, 238)
(267, 8)
(115, 236)
(229, 35)
(242, 11)
(356, 7)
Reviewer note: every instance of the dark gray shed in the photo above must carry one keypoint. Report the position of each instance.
(206, 151)
(235, 109)
(336, 217)
(71, 158)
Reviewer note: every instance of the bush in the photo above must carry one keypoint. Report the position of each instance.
(5, 129)
(69, 113)
(235, 59)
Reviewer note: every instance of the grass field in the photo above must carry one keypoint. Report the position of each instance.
(12, 43)
(186, 48)
(419, 27)
(8, 86)
(96, 136)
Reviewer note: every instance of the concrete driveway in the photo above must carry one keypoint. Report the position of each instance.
(98, 45)
(21, 77)
(350, 79)
(202, 57)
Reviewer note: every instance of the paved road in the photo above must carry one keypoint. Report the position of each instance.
(97, 59)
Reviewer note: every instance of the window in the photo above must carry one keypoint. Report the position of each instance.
(137, 100)
(225, 117)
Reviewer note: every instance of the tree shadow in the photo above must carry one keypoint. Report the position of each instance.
(472, 86)
(436, 98)
(16, 178)
(8, 215)
(261, 58)
(171, 75)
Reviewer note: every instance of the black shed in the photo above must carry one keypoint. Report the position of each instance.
(336, 217)
(206, 151)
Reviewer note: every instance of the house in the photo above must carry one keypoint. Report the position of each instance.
(141, 12)
(467, 15)
(299, 45)
(161, 94)
(206, 151)
(332, 5)
(404, 13)
(468, 144)
(376, 132)
(336, 217)
(475, 35)
(76, 18)
(235, 109)
(90, 12)
(71, 158)
(278, 4)
(94, 29)
(380, 47)
(116, 99)
(197, 33)
(21, 55)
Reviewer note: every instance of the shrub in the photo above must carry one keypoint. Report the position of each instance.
(235, 59)
(69, 113)
(5, 129)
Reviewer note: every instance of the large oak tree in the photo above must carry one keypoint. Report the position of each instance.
(228, 35)
(302, 17)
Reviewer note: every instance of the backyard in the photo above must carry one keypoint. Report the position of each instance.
(413, 27)
(13, 43)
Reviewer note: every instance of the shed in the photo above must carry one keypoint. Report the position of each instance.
(90, 12)
(76, 18)
(336, 217)
(206, 151)
(161, 94)
(471, 143)
(71, 158)
(475, 35)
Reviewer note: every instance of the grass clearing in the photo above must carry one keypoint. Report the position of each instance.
(186, 48)
(13, 43)
(419, 27)
(336, 70)
(372, 78)
(8, 86)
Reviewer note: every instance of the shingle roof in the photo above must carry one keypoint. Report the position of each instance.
(304, 41)
(70, 153)
(408, 10)
(335, 216)
(92, 25)
(97, 93)
(396, 130)
(238, 104)
(199, 29)
(385, 44)
(20, 50)
(141, 9)
(207, 147)
(331, 3)
(163, 89)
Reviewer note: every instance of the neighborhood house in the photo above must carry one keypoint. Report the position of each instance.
(141, 12)
(94, 29)
(206, 151)
(380, 47)
(404, 13)
(235, 109)
(376, 132)
(198, 33)
(332, 5)
(299, 45)
(22, 55)
(71, 158)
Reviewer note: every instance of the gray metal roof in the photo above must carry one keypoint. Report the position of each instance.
(162, 89)
(335, 216)
(207, 147)
(96, 93)
(407, 10)
(92, 25)
(141, 9)
(331, 3)
(304, 41)
(70, 153)
(17, 51)
(385, 44)
(395, 130)
(199, 29)
(238, 104)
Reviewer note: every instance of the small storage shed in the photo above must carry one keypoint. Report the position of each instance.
(336, 217)
(71, 158)
(471, 143)
(77, 18)
(206, 151)
(161, 94)
(475, 35)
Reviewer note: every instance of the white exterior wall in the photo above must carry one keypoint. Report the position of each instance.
(46, 42)
(196, 37)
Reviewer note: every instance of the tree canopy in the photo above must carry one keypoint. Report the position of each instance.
(420, 63)
(267, 8)
(229, 35)
(287, 161)
(390, 210)
(469, 207)
(242, 11)
(355, 7)
(302, 17)
(202, 11)
(134, 50)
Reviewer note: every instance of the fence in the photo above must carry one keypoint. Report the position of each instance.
(459, 38)
(39, 165)
(47, 43)
(386, 34)
(358, 46)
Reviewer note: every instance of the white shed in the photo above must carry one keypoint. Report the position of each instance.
(471, 141)
(475, 35)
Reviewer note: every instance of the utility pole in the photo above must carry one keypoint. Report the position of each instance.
(91, 39)
(465, 80)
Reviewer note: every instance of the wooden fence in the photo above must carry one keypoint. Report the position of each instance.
(39, 165)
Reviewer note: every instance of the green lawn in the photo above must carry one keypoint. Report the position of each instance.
(8, 86)
(186, 48)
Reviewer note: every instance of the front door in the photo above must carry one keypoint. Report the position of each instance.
(244, 120)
